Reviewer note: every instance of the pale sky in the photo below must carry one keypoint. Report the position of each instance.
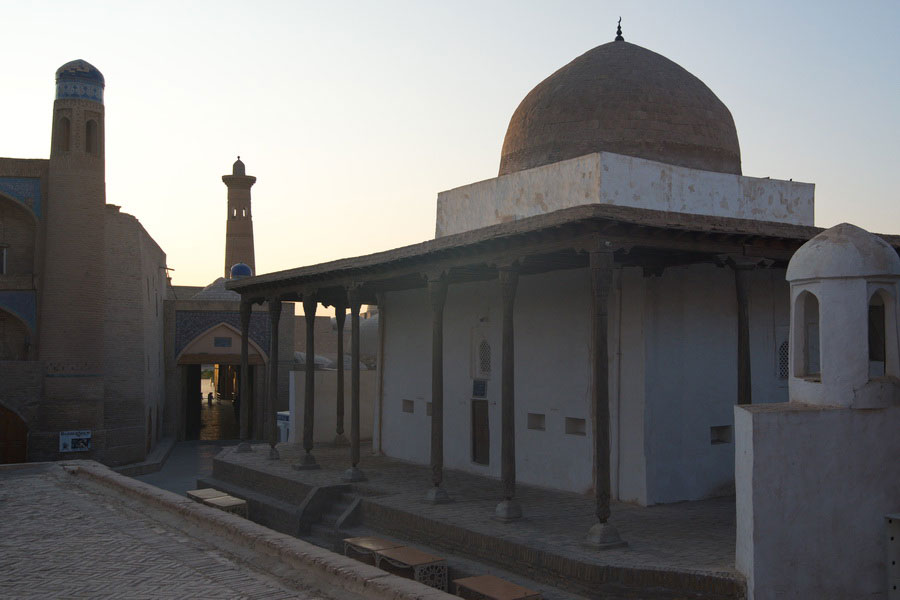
(354, 115)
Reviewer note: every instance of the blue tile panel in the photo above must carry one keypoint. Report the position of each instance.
(191, 323)
(21, 304)
(79, 90)
(26, 190)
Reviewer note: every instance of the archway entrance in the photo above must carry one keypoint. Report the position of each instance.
(211, 383)
(13, 438)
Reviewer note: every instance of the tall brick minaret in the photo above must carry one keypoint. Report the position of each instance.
(239, 227)
(72, 292)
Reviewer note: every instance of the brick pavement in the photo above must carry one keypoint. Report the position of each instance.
(687, 538)
(61, 536)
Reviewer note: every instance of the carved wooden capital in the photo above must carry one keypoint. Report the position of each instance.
(310, 302)
(437, 293)
(354, 297)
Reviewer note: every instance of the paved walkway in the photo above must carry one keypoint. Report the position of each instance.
(62, 539)
(187, 462)
(694, 538)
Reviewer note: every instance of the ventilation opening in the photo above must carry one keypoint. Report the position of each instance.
(90, 138)
(720, 434)
(481, 436)
(783, 360)
(877, 338)
(806, 337)
(536, 421)
(409, 406)
(575, 426)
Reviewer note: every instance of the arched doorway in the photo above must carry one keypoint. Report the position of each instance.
(210, 367)
(13, 437)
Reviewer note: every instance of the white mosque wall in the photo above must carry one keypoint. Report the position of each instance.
(691, 375)
(607, 178)
(673, 376)
(814, 484)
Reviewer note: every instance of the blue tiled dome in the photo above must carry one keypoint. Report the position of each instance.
(81, 80)
(241, 270)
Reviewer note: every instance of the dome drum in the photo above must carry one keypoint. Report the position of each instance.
(79, 80)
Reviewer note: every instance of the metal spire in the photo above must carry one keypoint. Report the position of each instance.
(619, 37)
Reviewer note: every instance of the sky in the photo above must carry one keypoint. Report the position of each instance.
(354, 115)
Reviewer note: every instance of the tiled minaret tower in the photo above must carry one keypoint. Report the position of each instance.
(239, 228)
(72, 296)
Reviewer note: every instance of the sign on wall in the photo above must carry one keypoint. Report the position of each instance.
(75, 441)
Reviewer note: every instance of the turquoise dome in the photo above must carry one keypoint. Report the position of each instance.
(241, 270)
(79, 80)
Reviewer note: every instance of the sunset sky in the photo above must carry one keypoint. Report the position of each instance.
(354, 115)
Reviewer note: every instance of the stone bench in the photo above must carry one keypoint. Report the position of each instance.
(221, 500)
(364, 548)
(426, 568)
(488, 587)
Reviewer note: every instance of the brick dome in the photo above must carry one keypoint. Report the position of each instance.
(625, 99)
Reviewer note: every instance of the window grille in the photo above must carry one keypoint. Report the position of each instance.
(783, 360)
(484, 358)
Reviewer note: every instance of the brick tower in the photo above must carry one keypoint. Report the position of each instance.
(72, 291)
(239, 228)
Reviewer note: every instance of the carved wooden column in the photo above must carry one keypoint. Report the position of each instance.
(340, 314)
(742, 287)
(353, 473)
(437, 295)
(272, 394)
(244, 446)
(602, 534)
(508, 509)
(308, 461)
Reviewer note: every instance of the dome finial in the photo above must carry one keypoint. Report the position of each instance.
(619, 37)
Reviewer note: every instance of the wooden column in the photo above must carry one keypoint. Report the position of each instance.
(742, 287)
(245, 400)
(437, 295)
(272, 394)
(310, 303)
(602, 534)
(379, 392)
(340, 315)
(353, 473)
(508, 509)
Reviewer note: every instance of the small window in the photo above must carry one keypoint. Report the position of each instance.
(64, 135)
(222, 342)
(479, 388)
(428, 409)
(720, 434)
(783, 360)
(243, 212)
(3, 261)
(409, 406)
(806, 337)
(234, 212)
(90, 138)
(536, 421)
(484, 357)
(877, 337)
(575, 426)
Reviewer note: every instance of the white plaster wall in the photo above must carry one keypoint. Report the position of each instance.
(407, 376)
(552, 376)
(606, 178)
(813, 486)
(630, 453)
(691, 382)
(325, 426)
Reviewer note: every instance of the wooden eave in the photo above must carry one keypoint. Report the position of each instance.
(558, 240)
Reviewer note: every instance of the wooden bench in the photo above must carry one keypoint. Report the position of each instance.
(488, 587)
(426, 568)
(220, 500)
(364, 548)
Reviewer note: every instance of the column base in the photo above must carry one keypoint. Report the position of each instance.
(353, 474)
(244, 447)
(604, 536)
(508, 511)
(307, 463)
(341, 440)
(437, 495)
(273, 453)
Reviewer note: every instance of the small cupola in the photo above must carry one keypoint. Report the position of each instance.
(844, 351)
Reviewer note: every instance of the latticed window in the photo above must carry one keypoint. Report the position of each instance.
(484, 358)
(783, 361)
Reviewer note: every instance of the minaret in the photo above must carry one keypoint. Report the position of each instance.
(72, 286)
(239, 228)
